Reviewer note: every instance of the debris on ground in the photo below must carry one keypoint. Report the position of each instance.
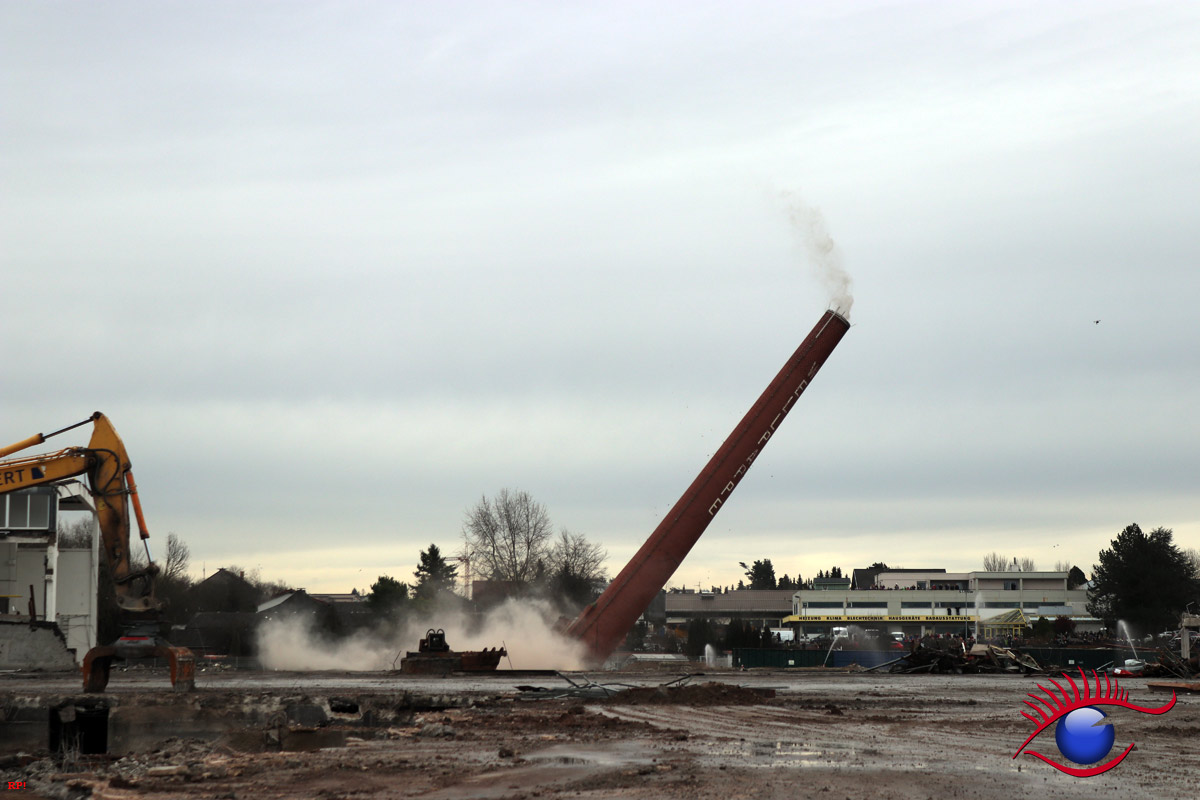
(703, 694)
(674, 692)
(1171, 665)
(717, 737)
(951, 658)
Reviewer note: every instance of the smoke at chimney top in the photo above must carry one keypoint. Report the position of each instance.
(819, 248)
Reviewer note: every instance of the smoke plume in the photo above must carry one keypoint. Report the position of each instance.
(819, 248)
(523, 627)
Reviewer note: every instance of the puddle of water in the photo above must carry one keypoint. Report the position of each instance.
(618, 754)
(776, 754)
(556, 765)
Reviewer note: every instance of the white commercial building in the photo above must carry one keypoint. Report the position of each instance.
(915, 603)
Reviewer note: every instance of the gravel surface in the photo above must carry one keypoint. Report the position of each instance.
(725, 735)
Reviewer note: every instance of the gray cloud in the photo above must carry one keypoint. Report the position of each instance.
(345, 268)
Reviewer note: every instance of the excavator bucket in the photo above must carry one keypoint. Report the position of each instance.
(97, 664)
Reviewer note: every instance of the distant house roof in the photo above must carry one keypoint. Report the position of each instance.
(274, 601)
(293, 601)
(224, 576)
(224, 591)
(353, 597)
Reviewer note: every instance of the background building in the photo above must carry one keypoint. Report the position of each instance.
(916, 602)
(762, 608)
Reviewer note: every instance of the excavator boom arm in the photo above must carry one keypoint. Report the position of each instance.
(21, 473)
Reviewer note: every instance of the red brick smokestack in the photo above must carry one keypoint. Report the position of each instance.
(603, 624)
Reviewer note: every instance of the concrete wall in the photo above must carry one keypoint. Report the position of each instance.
(77, 610)
(40, 647)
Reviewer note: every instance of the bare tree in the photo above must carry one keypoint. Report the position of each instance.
(1193, 555)
(573, 554)
(175, 561)
(1026, 564)
(577, 571)
(994, 562)
(1062, 566)
(76, 532)
(507, 537)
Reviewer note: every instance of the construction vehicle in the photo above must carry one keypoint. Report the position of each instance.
(434, 657)
(112, 488)
(603, 624)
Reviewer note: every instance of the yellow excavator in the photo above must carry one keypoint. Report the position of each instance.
(110, 482)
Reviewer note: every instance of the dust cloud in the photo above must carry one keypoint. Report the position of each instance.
(524, 628)
(819, 247)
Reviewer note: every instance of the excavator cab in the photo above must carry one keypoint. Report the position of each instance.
(434, 642)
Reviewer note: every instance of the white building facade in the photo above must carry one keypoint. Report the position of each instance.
(36, 576)
(917, 603)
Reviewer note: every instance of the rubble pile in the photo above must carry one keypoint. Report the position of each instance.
(950, 657)
(674, 692)
(937, 656)
(1170, 665)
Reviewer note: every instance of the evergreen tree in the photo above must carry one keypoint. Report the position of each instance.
(387, 595)
(1143, 580)
(761, 575)
(434, 574)
(1076, 578)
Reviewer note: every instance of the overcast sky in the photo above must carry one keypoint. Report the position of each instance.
(336, 270)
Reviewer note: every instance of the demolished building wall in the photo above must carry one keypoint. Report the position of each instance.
(36, 646)
(63, 596)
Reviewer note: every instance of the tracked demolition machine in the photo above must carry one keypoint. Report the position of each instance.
(112, 488)
(434, 657)
(603, 624)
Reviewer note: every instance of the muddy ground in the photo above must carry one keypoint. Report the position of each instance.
(723, 735)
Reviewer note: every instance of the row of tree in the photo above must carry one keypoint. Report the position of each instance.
(510, 541)
(181, 594)
(1142, 579)
(761, 575)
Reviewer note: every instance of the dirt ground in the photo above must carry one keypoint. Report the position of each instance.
(722, 735)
